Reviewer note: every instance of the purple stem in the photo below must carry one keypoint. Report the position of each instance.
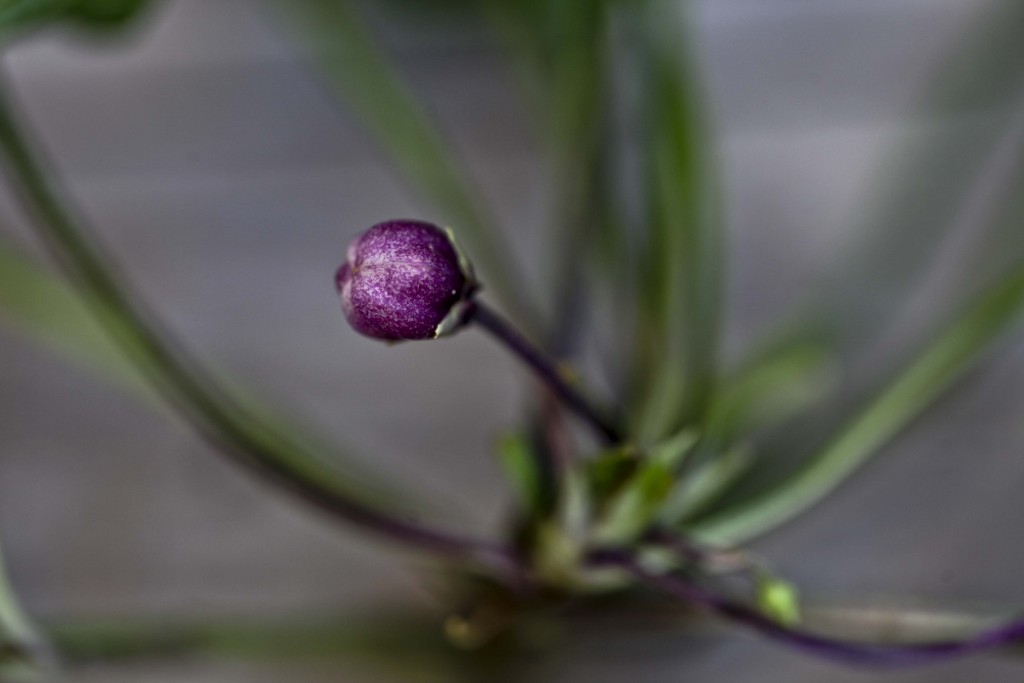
(531, 355)
(846, 651)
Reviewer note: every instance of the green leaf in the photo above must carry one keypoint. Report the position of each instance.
(606, 472)
(772, 387)
(707, 483)
(522, 469)
(904, 620)
(350, 56)
(45, 308)
(682, 269)
(18, 634)
(930, 173)
(106, 14)
(407, 644)
(955, 351)
(572, 57)
(639, 500)
(671, 452)
(21, 15)
(42, 306)
(936, 171)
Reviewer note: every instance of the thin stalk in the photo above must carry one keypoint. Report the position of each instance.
(846, 651)
(545, 369)
(236, 432)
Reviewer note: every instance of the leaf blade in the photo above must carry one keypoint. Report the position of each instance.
(943, 362)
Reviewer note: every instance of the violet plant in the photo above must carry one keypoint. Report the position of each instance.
(672, 475)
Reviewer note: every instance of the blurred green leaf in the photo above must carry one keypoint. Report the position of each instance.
(396, 642)
(606, 472)
(522, 469)
(20, 15)
(946, 359)
(781, 382)
(339, 41)
(903, 620)
(106, 13)
(572, 54)
(707, 483)
(683, 269)
(18, 635)
(41, 305)
(937, 171)
(639, 500)
(671, 452)
(930, 173)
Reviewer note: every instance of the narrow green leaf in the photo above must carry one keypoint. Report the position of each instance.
(398, 642)
(44, 307)
(36, 302)
(20, 15)
(671, 452)
(577, 101)
(973, 111)
(640, 499)
(954, 352)
(17, 632)
(106, 14)
(903, 620)
(606, 472)
(707, 483)
(521, 467)
(350, 56)
(682, 271)
(778, 384)
(930, 172)
(16, 15)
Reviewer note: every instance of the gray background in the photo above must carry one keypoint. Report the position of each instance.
(227, 182)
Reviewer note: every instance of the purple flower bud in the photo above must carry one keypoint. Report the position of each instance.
(401, 280)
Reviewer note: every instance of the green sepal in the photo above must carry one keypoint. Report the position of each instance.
(456, 317)
(454, 321)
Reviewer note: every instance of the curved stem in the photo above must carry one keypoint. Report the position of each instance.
(545, 369)
(847, 651)
(237, 432)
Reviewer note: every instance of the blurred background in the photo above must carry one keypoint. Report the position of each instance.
(227, 181)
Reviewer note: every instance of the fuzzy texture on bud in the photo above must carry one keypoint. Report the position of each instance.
(400, 280)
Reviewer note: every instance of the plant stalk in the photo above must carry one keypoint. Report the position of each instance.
(545, 370)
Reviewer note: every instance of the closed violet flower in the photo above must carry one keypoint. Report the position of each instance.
(403, 279)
